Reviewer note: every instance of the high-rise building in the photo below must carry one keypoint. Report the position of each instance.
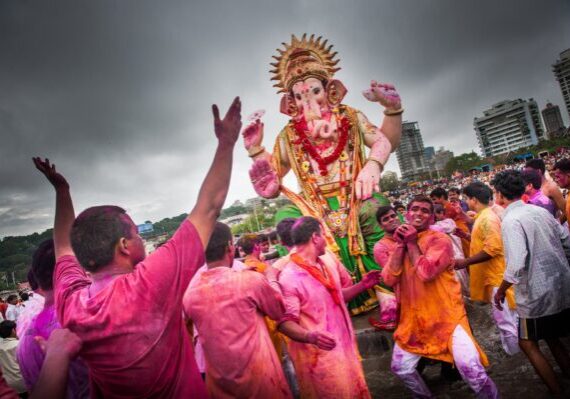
(508, 126)
(561, 70)
(410, 153)
(441, 158)
(429, 153)
(553, 121)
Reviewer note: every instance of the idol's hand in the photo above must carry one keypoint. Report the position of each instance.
(54, 177)
(253, 134)
(321, 340)
(227, 129)
(264, 178)
(368, 181)
(384, 94)
(371, 278)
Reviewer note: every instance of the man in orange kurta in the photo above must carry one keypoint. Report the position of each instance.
(487, 264)
(433, 322)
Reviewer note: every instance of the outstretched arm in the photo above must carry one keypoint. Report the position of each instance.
(368, 281)
(388, 97)
(64, 213)
(215, 186)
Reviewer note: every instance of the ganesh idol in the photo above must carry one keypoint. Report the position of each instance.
(325, 145)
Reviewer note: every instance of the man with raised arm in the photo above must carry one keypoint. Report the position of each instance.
(129, 313)
(315, 288)
(433, 322)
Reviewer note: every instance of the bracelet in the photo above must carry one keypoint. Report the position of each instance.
(394, 112)
(378, 162)
(255, 151)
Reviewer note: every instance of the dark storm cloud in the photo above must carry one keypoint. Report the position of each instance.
(118, 93)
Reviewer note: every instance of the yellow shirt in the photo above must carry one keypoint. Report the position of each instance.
(486, 236)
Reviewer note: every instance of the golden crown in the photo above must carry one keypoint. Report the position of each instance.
(303, 59)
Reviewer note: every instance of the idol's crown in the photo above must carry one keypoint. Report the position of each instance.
(303, 59)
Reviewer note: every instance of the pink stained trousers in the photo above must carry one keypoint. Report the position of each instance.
(467, 362)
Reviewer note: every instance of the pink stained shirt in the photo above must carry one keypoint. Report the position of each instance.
(227, 308)
(135, 342)
(322, 374)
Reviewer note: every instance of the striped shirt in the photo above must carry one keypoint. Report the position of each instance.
(537, 249)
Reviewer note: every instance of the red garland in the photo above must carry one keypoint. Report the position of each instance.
(301, 129)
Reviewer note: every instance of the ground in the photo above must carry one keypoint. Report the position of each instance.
(513, 375)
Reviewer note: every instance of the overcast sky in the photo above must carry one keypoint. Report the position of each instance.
(118, 93)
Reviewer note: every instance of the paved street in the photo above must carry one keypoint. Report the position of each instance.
(514, 375)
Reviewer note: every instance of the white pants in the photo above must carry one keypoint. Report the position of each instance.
(466, 359)
(507, 323)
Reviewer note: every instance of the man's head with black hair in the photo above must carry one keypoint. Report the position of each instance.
(12, 299)
(420, 212)
(98, 230)
(43, 265)
(387, 218)
(307, 231)
(284, 231)
(561, 173)
(438, 212)
(478, 195)
(399, 207)
(7, 329)
(509, 186)
(438, 195)
(249, 243)
(532, 180)
(220, 245)
(24, 296)
(536, 164)
(454, 194)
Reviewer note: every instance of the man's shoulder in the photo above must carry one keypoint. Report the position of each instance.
(291, 273)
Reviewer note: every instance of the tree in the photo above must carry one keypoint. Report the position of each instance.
(389, 181)
(463, 162)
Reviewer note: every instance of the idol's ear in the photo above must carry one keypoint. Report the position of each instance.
(335, 92)
(288, 106)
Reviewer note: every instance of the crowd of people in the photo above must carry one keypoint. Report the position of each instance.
(190, 320)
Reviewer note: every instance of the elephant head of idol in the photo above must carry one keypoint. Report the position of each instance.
(304, 73)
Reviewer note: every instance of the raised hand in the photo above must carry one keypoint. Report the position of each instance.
(227, 129)
(384, 94)
(371, 278)
(264, 178)
(321, 340)
(56, 179)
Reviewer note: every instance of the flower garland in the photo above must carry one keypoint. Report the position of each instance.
(301, 128)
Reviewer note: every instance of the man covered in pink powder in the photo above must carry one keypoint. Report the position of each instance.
(315, 287)
(129, 313)
(228, 309)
